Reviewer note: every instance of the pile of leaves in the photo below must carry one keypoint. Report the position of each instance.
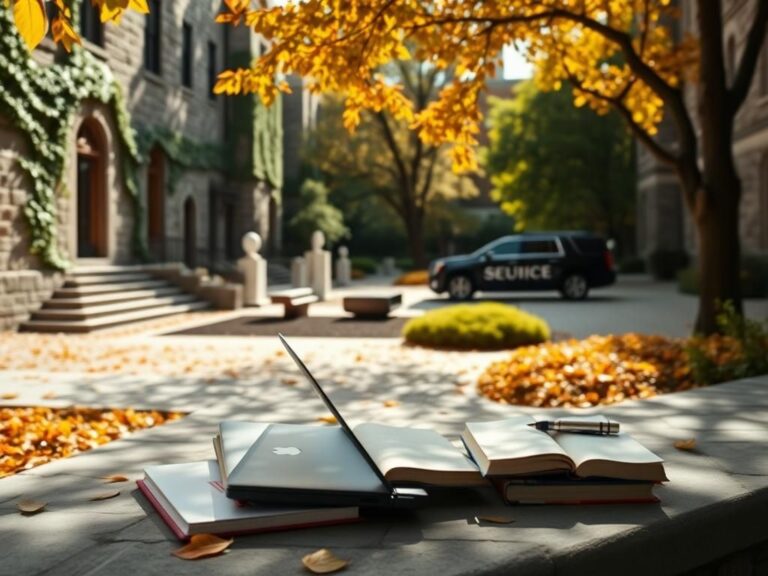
(30, 436)
(413, 278)
(607, 369)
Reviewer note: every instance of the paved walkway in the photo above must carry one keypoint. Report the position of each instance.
(723, 484)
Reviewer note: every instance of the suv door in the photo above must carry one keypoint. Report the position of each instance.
(540, 264)
(496, 266)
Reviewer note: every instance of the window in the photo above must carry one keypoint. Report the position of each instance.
(540, 247)
(506, 248)
(90, 23)
(186, 54)
(152, 29)
(592, 245)
(212, 70)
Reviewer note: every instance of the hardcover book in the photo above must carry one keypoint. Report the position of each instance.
(557, 490)
(512, 448)
(190, 499)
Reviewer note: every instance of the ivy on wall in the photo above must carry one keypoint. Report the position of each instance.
(40, 102)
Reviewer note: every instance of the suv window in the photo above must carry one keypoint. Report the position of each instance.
(505, 248)
(540, 247)
(590, 245)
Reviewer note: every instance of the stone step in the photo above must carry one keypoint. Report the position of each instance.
(101, 322)
(110, 297)
(110, 269)
(96, 278)
(114, 308)
(107, 288)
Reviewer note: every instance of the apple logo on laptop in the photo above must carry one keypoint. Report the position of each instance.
(286, 450)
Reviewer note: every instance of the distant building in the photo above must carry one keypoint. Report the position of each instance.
(209, 168)
(663, 222)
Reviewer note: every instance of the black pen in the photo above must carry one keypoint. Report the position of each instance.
(601, 427)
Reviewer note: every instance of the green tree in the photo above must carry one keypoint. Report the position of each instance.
(386, 158)
(317, 213)
(556, 166)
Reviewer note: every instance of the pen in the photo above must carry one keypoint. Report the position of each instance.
(603, 427)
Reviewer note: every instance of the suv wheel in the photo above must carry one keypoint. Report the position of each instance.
(574, 287)
(460, 287)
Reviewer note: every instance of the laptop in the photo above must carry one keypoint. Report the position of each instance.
(314, 465)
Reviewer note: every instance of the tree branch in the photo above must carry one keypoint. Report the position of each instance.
(404, 193)
(746, 68)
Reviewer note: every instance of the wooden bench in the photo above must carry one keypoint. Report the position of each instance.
(374, 305)
(296, 301)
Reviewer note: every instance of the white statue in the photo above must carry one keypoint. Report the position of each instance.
(299, 273)
(254, 270)
(343, 267)
(319, 267)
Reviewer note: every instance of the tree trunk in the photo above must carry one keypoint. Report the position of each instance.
(717, 224)
(415, 231)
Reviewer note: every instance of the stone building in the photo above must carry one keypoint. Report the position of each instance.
(663, 221)
(152, 165)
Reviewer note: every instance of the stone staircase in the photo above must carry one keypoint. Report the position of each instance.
(97, 297)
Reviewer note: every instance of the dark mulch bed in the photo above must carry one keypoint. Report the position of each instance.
(307, 326)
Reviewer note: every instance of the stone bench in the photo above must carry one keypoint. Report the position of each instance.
(296, 301)
(373, 306)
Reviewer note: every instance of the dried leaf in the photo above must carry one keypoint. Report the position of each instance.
(391, 403)
(289, 381)
(113, 478)
(328, 419)
(9, 395)
(104, 495)
(202, 546)
(323, 561)
(494, 519)
(50, 395)
(29, 506)
(686, 445)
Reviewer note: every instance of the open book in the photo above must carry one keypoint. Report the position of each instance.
(406, 456)
(512, 448)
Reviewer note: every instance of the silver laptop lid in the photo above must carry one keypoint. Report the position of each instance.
(335, 412)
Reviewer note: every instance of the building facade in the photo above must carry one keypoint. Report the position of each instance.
(663, 222)
(143, 162)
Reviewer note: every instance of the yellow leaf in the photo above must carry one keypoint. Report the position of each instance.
(686, 445)
(201, 546)
(31, 21)
(391, 403)
(139, 5)
(104, 495)
(323, 562)
(49, 395)
(9, 395)
(328, 419)
(28, 506)
(111, 479)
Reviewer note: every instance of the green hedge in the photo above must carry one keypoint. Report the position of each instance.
(753, 273)
(364, 264)
(487, 326)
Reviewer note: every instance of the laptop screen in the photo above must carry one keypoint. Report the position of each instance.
(335, 412)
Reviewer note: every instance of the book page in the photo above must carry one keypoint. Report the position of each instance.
(236, 438)
(513, 439)
(416, 455)
(615, 456)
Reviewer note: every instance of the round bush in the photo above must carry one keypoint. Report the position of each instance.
(489, 326)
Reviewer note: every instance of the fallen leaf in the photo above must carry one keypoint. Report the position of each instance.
(328, 419)
(323, 562)
(105, 495)
(494, 519)
(50, 395)
(359, 358)
(686, 445)
(201, 546)
(9, 395)
(112, 478)
(289, 381)
(391, 403)
(28, 506)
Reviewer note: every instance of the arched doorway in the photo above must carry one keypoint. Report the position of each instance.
(91, 192)
(156, 203)
(190, 233)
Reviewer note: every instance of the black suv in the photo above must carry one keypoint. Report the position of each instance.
(571, 262)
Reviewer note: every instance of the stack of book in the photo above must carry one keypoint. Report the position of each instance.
(528, 465)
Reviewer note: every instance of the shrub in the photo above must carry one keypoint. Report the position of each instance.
(413, 278)
(664, 264)
(753, 274)
(488, 326)
(404, 264)
(364, 264)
